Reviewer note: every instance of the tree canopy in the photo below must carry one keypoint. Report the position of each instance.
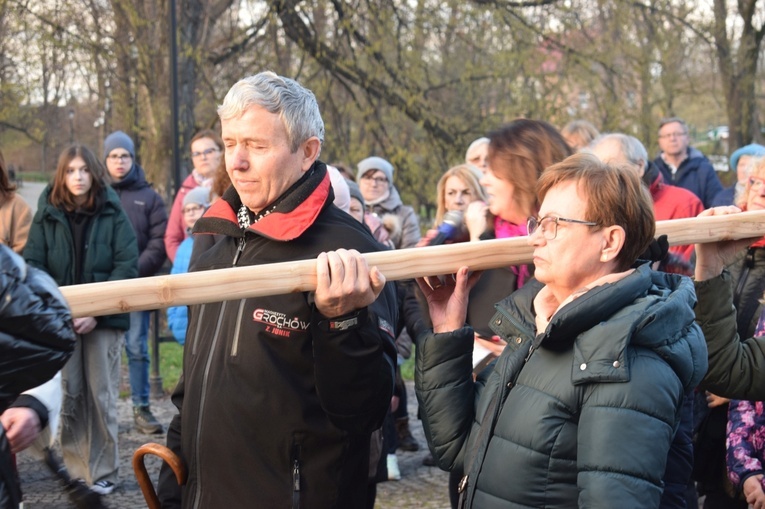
(414, 82)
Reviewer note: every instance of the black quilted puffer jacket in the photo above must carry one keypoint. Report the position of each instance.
(36, 340)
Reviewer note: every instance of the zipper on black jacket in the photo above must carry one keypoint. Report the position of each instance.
(239, 250)
(197, 330)
(296, 475)
(205, 377)
(238, 329)
(463, 484)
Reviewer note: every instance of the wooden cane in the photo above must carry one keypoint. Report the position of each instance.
(144, 482)
(124, 296)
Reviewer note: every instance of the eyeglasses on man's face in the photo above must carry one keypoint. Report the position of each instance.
(376, 180)
(119, 157)
(548, 225)
(203, 154)
(678, 134)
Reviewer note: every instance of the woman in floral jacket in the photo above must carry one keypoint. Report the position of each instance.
(746, 443)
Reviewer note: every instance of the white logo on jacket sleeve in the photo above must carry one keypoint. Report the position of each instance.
(278, 323)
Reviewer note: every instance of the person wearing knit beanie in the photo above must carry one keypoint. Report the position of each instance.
(119, 155)
(118, 139)
(353, 188)
(145, 209)
(375, 163)
(195, 203)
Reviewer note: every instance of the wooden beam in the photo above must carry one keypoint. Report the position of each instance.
(111, 297)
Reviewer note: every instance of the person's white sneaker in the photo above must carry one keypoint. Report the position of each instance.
(103, 487)
(394, 474)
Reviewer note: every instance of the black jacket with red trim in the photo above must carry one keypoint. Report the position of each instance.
(276, 410)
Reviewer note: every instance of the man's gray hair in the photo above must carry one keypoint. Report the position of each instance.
(631, 148)
(295, 105)
(672, 120)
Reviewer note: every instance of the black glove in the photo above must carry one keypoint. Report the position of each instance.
(657, 250)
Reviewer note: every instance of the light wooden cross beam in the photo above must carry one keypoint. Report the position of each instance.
(111, 297)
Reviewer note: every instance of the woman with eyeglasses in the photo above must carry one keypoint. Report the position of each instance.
(80, 234)
(375, 179)
(581, 407)
(206, 154)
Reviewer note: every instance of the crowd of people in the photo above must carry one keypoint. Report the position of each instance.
(601, 374)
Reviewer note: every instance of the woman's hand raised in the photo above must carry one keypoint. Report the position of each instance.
(447, 298)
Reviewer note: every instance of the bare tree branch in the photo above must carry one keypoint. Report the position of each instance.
(22, 130)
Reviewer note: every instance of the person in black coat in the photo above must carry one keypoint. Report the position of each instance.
(146, 211)
(36, 340)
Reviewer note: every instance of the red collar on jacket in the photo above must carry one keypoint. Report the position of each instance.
(295, 211)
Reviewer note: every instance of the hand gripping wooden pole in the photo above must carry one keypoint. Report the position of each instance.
(111, 297)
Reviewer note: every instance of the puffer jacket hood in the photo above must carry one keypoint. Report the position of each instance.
(652, 310)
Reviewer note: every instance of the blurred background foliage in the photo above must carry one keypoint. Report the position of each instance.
(413, 81)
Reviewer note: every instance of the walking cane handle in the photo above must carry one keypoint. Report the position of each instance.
(144, 482)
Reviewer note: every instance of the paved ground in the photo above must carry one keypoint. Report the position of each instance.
(420, 486)
(30, 191)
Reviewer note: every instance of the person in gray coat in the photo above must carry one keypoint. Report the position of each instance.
(581, 407)
(375, 180)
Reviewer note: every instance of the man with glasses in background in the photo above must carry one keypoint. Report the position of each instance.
(146, 211)
(684, 166)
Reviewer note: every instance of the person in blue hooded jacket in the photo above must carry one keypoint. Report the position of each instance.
(582, 405)
(195, 202)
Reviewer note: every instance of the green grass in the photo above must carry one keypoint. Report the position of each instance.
(170, 364)
(407, 368)
(34, 176)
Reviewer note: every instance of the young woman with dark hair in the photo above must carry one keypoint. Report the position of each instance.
(80, 234)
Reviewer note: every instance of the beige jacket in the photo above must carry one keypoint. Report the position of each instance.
(15, 219)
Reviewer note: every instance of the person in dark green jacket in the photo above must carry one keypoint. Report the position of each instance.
(80, 234)
(581, 407)
(736, 367)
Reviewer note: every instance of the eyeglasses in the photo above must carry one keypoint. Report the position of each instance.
(756, 183)
(203, 154)
(548, 225)
(119, 157)
(376, 180)
(193, 209)
(672, 135)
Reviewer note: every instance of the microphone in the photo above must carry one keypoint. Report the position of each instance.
(449, 228)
